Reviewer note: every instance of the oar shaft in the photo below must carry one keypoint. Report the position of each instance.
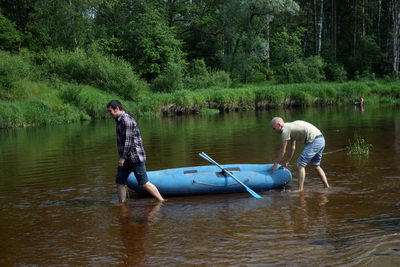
(206, 157)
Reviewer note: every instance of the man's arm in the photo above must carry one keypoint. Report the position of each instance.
(292, 148)
(279, 156)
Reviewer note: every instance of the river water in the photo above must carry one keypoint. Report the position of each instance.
(58, 201)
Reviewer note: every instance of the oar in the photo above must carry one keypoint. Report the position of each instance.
(206, 157)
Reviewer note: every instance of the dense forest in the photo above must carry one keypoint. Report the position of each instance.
(97, 49)
(249, 39)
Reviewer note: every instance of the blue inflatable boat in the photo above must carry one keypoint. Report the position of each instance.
(211, 180)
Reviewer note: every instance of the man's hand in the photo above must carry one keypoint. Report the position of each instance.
(121, 162)
(273, 168)
(286, 164)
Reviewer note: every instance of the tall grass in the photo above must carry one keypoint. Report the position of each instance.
(10, 115)
(90, 100)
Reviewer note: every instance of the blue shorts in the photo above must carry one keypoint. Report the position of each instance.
(139, 169)
(312, 153)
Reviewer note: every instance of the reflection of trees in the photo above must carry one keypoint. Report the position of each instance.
(397, 135)
(51, 152)
(134, 227)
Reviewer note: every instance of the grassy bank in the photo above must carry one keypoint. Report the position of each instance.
(63, 87)
(45, 103)
(259, 97)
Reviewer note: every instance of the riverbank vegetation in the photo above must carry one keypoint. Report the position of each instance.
(62, 61)
(359, 147)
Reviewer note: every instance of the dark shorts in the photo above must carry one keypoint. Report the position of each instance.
(139, 169)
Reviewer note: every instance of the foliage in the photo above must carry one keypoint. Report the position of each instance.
(221, 79)
(87, 99)
(12, 69)
(354, 90)
(366, 59)
(155, 46)
(199, 77)
(285, 47)
(10, 37)
(170, 80)
(359, 147)
(300, 71)
(335, 72)
(91, 67)
(61, 24)
(10, 115)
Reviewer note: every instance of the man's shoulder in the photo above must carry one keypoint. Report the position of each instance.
(127, 118)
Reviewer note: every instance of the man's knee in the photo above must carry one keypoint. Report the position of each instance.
(299, 166)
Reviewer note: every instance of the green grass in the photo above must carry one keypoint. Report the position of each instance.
(359, 147)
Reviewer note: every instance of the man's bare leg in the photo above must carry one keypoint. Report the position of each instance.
(301, 171)
(121, 191)
(321, 175)
(152, 189)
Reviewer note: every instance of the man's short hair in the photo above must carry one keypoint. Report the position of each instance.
(276, 120)
(114, 104)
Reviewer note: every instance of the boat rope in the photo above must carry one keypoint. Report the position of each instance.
(194, 181)
(331, 152)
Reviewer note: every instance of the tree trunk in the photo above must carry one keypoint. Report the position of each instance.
(355, 29)
(319, 41)
(315, 26)
(267, 55)
(379, 22)
(363, 19)
(396, 35)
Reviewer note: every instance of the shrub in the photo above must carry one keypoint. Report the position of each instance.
(221, 79)
(170, 80)
(12, 69)
(198, 76)
(10, 37)
(301, 71)
(91, 67)
(335, 72)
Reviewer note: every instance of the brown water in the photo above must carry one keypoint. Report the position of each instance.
(58, 205)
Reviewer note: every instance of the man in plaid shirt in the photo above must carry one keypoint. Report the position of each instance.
(131, 152)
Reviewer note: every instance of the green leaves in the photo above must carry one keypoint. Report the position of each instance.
(10, 37)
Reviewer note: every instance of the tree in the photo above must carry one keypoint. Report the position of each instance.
(396, 35)
(10, 37)
(68, 24)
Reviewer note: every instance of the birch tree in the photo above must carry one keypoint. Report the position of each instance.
(396, 35)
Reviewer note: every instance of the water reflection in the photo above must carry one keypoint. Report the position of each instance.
(57, 196)
(135, 225)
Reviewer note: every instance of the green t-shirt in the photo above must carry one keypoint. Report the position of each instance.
(300, 131)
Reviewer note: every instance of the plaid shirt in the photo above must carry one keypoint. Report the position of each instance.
(129, 141)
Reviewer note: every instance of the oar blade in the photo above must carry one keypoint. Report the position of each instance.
(254, 194)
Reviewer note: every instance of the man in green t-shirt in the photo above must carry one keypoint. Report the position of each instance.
(303, 132)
